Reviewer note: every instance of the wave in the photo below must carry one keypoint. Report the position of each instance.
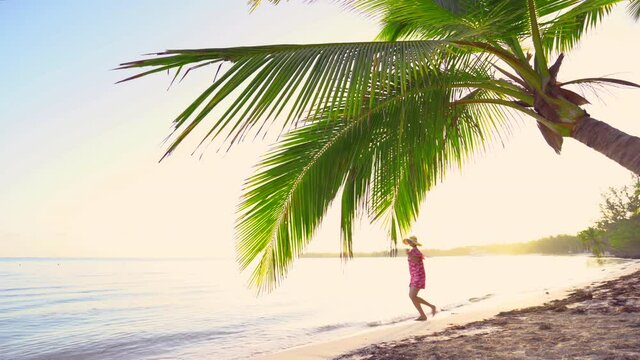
(127, 346)
(392, 321)
(398, 319)
(369, 324)
(332, 327)
(453, 306)
(472, 300)
(478, 299)
(34, 288)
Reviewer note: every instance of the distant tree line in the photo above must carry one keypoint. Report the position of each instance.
(552, 245)
(617, 232)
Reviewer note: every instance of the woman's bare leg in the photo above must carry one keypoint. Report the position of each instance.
(413, 295)
(423, 301)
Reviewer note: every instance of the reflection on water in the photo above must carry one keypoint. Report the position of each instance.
(190, 309)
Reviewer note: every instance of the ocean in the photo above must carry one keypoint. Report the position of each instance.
(202, 309)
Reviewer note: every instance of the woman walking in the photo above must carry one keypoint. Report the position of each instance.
(416, 270)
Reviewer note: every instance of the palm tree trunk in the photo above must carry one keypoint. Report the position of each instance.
(615, 144)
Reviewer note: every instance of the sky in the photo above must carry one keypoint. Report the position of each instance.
(79, 171)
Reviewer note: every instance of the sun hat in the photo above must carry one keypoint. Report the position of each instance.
(411, 240)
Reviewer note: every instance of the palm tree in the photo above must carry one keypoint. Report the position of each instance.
(379, 123)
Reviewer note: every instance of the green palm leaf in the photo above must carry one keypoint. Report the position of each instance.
(493, 20)
(562, 32)
(253, 4)
(286, 200)
(293, 80)
(384, 160)
(634, 8)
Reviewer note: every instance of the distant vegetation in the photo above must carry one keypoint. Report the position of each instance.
(553, 245)
(618, 230)
(617, 233)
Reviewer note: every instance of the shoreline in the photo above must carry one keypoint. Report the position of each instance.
(366, 343)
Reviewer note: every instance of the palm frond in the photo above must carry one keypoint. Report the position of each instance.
(285, 201)
(433, 138)
(253, 4)
(439, 19)
(634, 9)
(601, 80)
(293, 80)
(563, 22)
(562, 31)
(428, 136)
(385, 159)
(354, 200)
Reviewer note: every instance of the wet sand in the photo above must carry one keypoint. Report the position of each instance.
(600, 321)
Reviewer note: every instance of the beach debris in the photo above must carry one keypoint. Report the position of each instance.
(598, 322)
(544, 326)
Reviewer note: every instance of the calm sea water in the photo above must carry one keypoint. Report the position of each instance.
(193, 309)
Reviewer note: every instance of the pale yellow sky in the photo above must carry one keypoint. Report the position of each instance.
(103, 193)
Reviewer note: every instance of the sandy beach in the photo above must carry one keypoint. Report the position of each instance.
(599, 320)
